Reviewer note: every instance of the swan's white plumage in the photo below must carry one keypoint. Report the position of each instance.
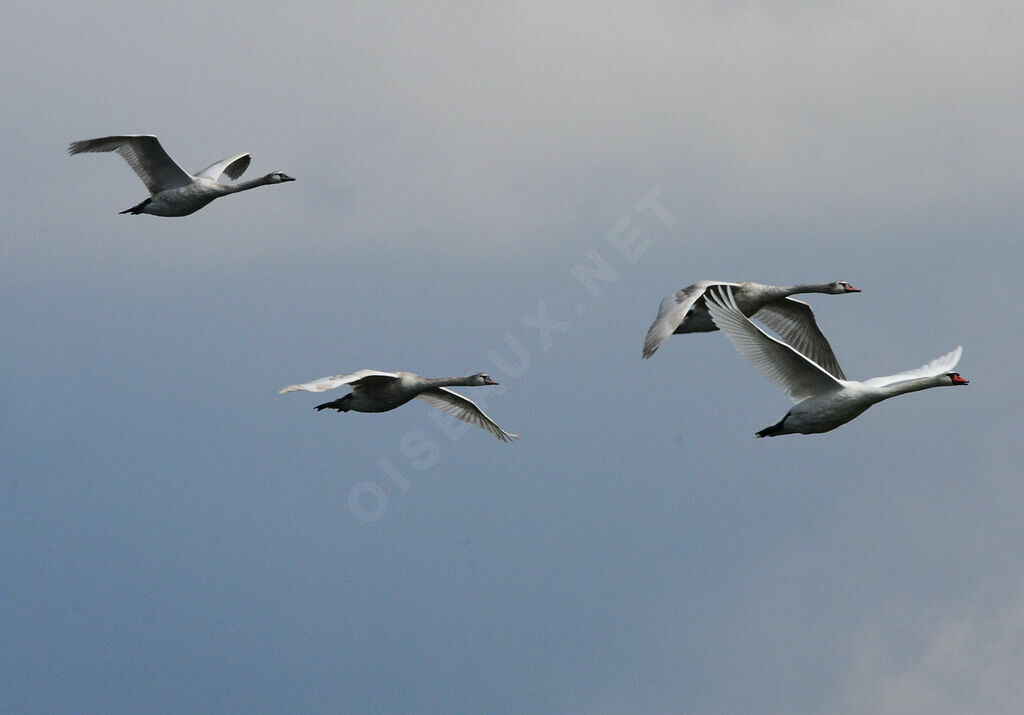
(796, 375)
(794, 321)
(823, 401)
(938, 366)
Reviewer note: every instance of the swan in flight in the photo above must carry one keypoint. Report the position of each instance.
(174, 192)
(822, 400)
(375, 391)
(685, 312)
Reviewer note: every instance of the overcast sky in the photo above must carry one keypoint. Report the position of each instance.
(177, 536)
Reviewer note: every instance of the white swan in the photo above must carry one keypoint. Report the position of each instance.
(823, 401)
(375, 391)
(685, 312)
(174, 191)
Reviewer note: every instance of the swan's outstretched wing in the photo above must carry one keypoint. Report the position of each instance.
(233, 166)
(329, 383)
(937, 366)
(672, 312)
(794, 321)
(798, 376)
(144, 155)
(465, 409)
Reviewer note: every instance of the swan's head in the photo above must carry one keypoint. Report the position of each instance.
(842, 287)
(482, 378)
(277, 177)
(955, 379)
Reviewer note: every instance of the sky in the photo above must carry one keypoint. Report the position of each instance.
(512, 190)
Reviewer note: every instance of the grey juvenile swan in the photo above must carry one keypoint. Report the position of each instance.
(375, 391)
(685, 312)
(174, 191)
(822, 401)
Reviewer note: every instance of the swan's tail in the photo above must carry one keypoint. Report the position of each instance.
(774, 430)
(137, 208)
(341, 404)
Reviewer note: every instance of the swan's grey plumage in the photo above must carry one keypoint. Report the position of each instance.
(685, 312)
(821, 400)
(376, 391)
(173, 191)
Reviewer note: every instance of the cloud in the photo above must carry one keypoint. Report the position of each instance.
(972, 663)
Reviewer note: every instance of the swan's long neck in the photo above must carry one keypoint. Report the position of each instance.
(807, 288)
(448, 381)
(244, 185)
(759, 291)
(921, 383)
